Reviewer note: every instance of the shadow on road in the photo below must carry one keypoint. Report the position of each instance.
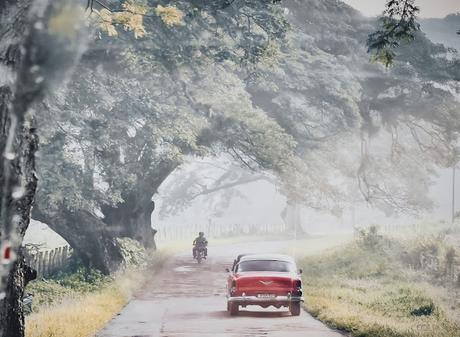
(226, 314)
(263, 314)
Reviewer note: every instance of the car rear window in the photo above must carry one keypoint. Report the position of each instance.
(265, 265)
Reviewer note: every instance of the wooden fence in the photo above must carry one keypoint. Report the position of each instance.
(394, 228)
(190, 231)
(46, 262)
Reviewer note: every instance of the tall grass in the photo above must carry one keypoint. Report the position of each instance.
(370, 288)
(81, 316)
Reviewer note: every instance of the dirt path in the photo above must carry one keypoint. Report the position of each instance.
(188, 300)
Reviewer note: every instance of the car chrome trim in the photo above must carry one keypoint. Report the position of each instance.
(255, 299)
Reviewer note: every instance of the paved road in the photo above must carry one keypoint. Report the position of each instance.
(188, 300)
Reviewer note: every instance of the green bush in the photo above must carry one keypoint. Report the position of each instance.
(46, 292)
(73, 281)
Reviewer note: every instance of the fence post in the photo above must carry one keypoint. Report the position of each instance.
(58, 258)
(32, 262)
(64, 255)
(46, 264)
(53, 259)
(40, 263)
(50, 262)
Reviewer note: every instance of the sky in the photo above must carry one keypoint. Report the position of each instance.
(428, 8)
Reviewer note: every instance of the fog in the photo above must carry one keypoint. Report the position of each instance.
(260, 202)
(291, 161)
(429, 8)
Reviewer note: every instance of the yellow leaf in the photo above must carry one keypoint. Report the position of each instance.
(133, 8)
(170, 15)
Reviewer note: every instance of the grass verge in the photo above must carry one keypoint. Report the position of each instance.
(78, 305)
(373, 288)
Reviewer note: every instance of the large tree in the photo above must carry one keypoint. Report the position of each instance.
(363, 132)
(139, 103)
(380, 129)
(40, 42)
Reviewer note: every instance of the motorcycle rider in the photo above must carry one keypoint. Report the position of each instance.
(200, 243)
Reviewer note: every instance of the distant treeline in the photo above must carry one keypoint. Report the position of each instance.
(188, 231)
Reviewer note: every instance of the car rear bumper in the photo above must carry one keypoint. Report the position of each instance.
(250, 300)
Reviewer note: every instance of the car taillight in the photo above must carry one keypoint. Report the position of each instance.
(297, 284)
(297, 291)
(233, 289)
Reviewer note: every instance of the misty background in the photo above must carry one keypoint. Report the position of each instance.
(429, 8)
(260, 202)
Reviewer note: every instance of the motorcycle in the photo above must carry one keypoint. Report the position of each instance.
(199, 256)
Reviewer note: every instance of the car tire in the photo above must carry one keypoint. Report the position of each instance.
(233, 308)
(295, 308)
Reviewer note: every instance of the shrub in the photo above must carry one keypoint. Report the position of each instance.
(134, 254)
(369, 237)
(432, 255)
(74, 281)
(424, 310)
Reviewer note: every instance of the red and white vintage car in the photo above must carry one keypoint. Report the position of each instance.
(264, 280)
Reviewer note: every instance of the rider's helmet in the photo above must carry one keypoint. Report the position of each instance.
(201, 234)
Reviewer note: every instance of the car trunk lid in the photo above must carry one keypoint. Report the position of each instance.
(264, 283)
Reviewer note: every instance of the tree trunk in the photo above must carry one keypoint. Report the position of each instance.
(36, 58)
(292, 218)
(12, 275)
(132, 217)
(15, 212)
(88, 235)
(11, 307)
(94, 238)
